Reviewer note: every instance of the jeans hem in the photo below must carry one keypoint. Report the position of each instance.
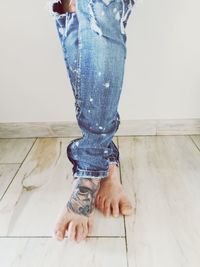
(90, 174)
(114, 160)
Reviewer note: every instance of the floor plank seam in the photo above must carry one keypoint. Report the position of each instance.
(11, 163)
(126, 242)
(89, 237)
(18, 169)
(120, 177)
(196, 145)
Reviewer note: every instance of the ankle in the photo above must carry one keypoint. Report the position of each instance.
(82, 200)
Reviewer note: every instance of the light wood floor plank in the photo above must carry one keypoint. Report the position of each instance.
(161, 174)
(47, 252)
(39, 192)
(7, 172)
(14, 150)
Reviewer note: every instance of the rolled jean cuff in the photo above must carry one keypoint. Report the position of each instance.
(89, 174)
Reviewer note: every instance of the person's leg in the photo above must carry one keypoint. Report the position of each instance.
(95, 87)
(100, 69)
(67, 27)
(77, 216)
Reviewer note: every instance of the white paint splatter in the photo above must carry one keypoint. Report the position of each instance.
(107, 84)
(102, 13)
(117, 16)
(89, 110)
(114, 9)
(77, 143)
(91, 99)
(100, 127)
(61, 30)
(99, 73)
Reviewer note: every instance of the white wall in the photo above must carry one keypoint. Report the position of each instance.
(162, 74)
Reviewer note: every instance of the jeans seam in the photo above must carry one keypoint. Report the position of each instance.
(78, 78)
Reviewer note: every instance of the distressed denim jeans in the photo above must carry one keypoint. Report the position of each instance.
(93, 40)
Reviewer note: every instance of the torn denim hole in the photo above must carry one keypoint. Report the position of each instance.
(55, 9)
(122, 8)
(93, 21)
(57, 13)
(127, 6)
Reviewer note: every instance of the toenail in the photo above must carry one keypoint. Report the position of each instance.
(59, 234)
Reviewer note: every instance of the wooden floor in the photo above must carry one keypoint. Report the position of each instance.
(161, 175)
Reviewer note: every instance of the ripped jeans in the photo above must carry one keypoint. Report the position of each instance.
(93, 41)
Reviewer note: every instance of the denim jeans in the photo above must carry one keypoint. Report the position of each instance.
(93, 40)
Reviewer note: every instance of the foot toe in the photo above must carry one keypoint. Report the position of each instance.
(72, 231)
(79, 232)
(101, 204)
(115, 208)
(59, 235)
(107, 208)
(90, 226)
(85, 230)
(59, 231)
(126, 208)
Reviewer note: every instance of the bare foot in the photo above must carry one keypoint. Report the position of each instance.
(77, 216)
(111, 198)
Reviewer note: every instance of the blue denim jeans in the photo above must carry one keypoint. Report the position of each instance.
(93, 41)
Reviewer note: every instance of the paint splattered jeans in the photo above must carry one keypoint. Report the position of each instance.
(93, 40)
